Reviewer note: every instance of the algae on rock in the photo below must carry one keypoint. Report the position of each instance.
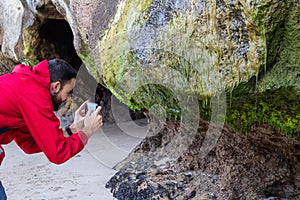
(197, 48)
(284, 70)
(276, 89)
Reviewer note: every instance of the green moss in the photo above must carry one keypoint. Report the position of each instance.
(192, 54)
(30, 44)
(280, 108)
(274, 97)
(28, 62)
(114, 47)
(88, 60)
(190, 46)
(163, 97)
(269, 16)
(286, 42)
(198, 40)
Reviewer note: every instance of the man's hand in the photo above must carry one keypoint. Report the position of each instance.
(79, 118)
(92, 122)
(78, 122)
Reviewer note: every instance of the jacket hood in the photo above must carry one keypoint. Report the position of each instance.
(39, 72)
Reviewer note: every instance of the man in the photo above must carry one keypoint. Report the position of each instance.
(29, 97)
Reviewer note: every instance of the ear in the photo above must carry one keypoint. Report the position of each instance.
(55, 87)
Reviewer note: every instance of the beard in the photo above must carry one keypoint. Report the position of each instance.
(57, 102)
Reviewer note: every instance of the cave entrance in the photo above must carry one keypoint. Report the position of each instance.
(57, 42)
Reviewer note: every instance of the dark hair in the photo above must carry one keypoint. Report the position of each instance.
(61, 71)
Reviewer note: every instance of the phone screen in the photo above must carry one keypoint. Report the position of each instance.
(90, 106)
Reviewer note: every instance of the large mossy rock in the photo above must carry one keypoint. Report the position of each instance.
(284, 46)
(193, 47)
(197, 47)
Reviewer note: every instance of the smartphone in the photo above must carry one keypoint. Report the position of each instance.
(90, 106)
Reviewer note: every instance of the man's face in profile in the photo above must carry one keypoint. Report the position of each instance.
(60, 97)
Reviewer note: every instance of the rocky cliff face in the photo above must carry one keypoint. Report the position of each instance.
(234, 61)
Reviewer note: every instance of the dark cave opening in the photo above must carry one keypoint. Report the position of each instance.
(56, 41)
(57, 38)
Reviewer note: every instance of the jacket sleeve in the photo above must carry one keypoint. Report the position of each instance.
(26, 142)
(44, 128)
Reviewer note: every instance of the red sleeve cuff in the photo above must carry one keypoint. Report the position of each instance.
(82, 137)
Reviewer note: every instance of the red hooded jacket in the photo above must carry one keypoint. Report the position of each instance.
(26, 110)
